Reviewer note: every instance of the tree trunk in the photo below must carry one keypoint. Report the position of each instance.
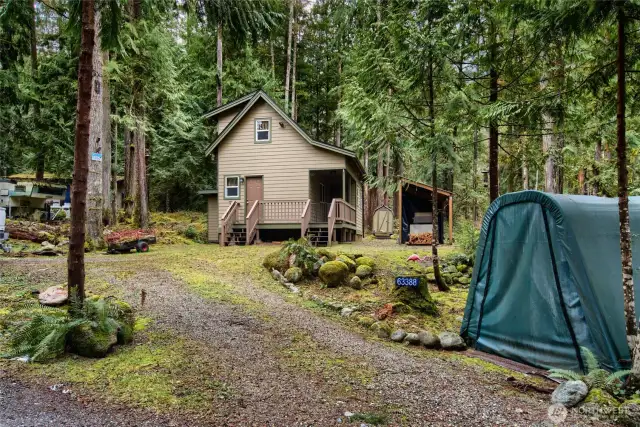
(287, 77)
(381, 181)
(130, 172)
(142, 200)
(623, 204)
(94, 180)
(219, 65)
(114, 178)
(273, 60)
(597, 158)
(367, 198)
(40, 154)
(294, 110)
(494, 185)
(386, 172)
(434, 183)
(338, 137)
(525, 171)
(75, 261)
(106, 140)
(474, 183)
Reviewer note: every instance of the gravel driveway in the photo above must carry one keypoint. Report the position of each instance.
(254, 352)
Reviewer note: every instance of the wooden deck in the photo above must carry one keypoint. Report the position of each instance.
(308, 216)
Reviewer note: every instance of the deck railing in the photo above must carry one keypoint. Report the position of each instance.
(281, 211)
(345, 212)
(228, 219)
(331, 219)
(252, 221)
(306, 218)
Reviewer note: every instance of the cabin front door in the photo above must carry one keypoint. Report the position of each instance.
(254, 191)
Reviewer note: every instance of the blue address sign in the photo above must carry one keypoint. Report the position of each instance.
(410, 281)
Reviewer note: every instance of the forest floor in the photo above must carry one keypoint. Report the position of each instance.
(219, 342)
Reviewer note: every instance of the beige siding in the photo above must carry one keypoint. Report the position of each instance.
(284, 163)
(356, 175)
(212, 218)
(225, 118)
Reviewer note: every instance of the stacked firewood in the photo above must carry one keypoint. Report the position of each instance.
(420, 239)
(129, 235)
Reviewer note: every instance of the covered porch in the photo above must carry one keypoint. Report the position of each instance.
(328, 215)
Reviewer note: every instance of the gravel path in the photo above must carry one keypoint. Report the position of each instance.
(269, 390)
(25, 405)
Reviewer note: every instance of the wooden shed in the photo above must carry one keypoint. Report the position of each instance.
(383, 222)
(415, 209)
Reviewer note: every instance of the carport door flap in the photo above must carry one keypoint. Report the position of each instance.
(522, 318)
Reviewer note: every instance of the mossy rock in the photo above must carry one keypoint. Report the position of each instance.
(351, 264)
(293, 274)
(355, 283)
(88, 342)
(381, 329)
(450, 269)
(401, 308)
(333, 273)
(464, 281)
(363, 271)
(430, 270)
(366, 321)
(601, 397)
(431, 277)
(324, 252)
(273, 261)
(447, 278)
(345, 254)
(461, 268)
(365, 260)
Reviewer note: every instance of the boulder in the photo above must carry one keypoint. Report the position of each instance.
(317, 265)
(570, 393)
(293, 274)
(451, 341)
(365, 260)
(355, 282)
(347, 311)
(429, 270)
(333, 273)
(398, 335)
(351, 264)
(464, 280)
(278, 276)
(412, 339)
(346, 255)
(89, 342)
(273, 261)
(601, 398)
(428, 339)
(450, 269)
(431, 277)
(381, 329)
(366, 321)
(54, 296)
(363, 271)
(326, 253)
(629, 412)
(461, 268)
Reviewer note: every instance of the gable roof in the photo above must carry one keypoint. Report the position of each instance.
(250, 100)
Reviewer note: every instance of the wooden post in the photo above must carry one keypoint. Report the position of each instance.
(400, 209)
(451, 219)
(344, 186)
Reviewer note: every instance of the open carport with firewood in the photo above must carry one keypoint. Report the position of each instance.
(415, 210)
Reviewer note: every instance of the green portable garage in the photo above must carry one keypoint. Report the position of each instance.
(547, 280)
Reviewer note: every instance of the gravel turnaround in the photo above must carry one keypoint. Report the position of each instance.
(410, 389)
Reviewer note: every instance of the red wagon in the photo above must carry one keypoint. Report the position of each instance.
(124, 241)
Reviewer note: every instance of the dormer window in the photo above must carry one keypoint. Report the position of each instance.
(263, 130)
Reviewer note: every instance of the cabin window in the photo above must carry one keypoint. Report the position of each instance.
(20, 189)
(263, 130)
(232, 187)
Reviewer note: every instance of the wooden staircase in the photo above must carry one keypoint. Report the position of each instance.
(318, 236)
(237, 236)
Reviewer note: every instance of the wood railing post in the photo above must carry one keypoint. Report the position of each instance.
(252, 221)
(331, 218)
(305, 218)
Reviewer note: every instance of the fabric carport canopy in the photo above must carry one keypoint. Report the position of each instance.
(547, 281)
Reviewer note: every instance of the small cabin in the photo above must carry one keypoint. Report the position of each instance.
(275, 182)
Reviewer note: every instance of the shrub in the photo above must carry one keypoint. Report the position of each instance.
(305, 254)
(467, 237)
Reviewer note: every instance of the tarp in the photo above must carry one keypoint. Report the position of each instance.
(547, 280)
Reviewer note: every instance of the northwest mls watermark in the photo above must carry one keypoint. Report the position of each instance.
(557, 413)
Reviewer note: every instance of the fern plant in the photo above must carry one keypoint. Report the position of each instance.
(595, 376)
(305, 254)
(44, 335)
